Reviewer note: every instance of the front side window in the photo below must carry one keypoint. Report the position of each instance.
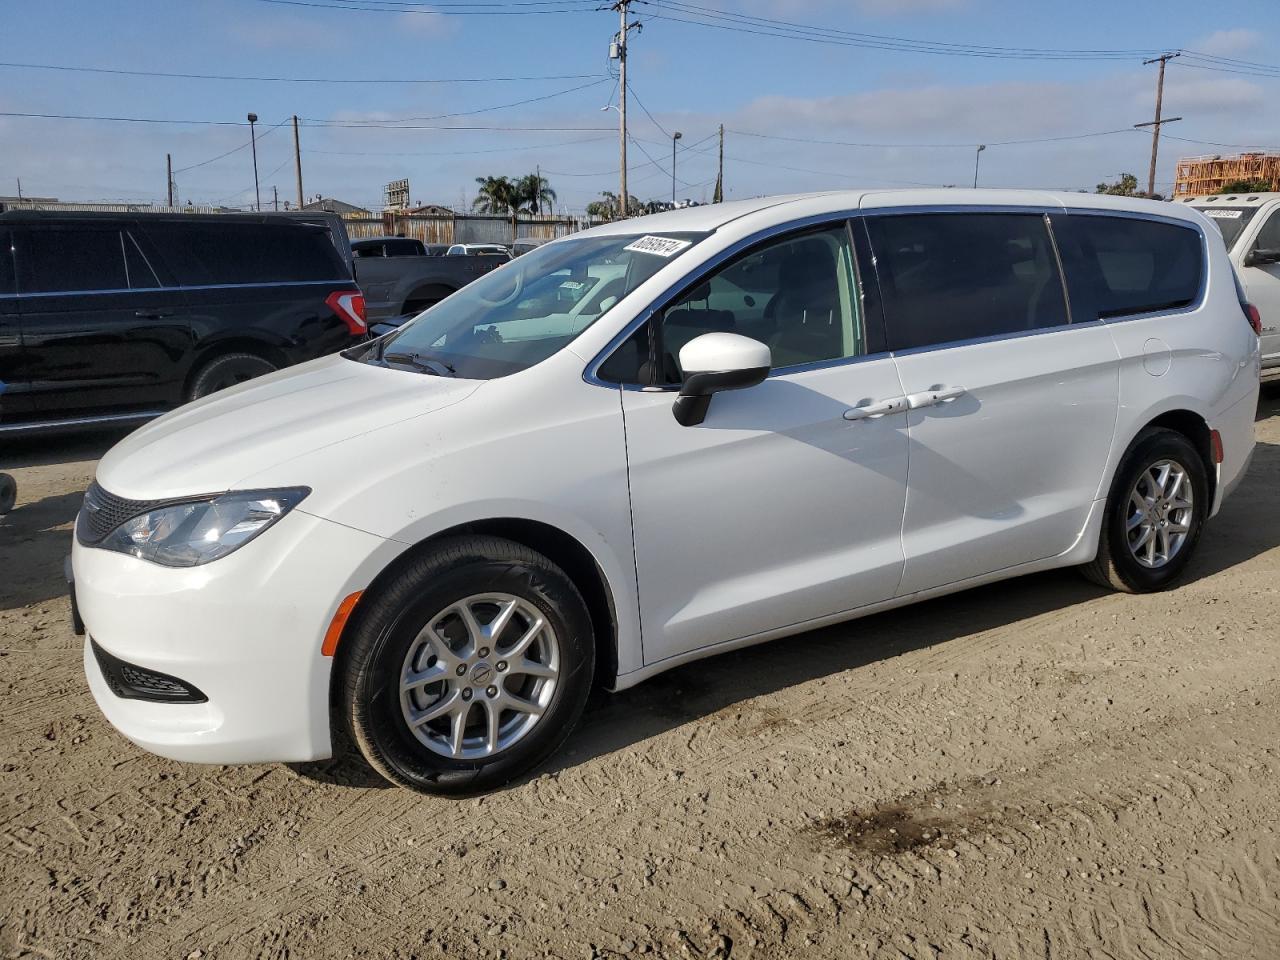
(946, 277)
(1119, 266)
(1269, 235)
(524, 311)
(70, 259)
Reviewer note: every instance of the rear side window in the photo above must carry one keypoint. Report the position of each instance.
(1120, 266)
(201, 252)
(946, 277)
(70, 259)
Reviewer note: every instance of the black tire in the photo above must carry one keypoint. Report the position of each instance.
(227, 371)
(8, 493)
(386, 626)
(1115, 566)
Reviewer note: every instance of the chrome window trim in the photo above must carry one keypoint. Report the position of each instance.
(195, 286)
(590, 373)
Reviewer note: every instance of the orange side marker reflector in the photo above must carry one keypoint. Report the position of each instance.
(1215, 441)
(334, 633)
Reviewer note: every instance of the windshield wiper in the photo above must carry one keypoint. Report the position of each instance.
(422, 363)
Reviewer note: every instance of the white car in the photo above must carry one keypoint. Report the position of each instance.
(471, 249)
(793, 411)
(1250, 225)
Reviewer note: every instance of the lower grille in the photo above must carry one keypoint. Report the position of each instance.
(132, 682)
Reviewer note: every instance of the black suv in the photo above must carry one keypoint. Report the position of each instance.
(119, 317)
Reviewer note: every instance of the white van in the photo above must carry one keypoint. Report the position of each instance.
(786, 412)
(1250, 225)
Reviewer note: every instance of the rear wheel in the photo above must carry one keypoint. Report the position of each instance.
(469, 669)
(8, 493)
(227, 371)
(1154, 514)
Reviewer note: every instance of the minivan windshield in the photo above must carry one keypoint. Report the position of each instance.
(526, 310)
(1230, 221)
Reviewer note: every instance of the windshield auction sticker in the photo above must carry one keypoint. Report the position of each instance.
(1219, 214)
(658, 246)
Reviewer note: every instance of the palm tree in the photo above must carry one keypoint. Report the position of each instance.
(497, 195)
(534, 192)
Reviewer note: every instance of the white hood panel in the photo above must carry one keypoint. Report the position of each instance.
(210, 445)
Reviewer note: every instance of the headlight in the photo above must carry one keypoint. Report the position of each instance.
(189, 534)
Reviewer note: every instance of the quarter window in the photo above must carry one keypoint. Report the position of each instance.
(958, 276)
(199, 252)
(1119, 266)
(64, 260)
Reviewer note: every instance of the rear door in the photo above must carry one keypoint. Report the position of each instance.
(15, 402)
(100, 332)
(1012, 406)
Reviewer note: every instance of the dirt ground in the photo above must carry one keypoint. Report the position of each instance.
(1035, 769)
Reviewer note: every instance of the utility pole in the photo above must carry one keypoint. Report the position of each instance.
(297, 160)
(674, 137)
(253, 143)
(620, 43)
(718, 196)
(977, 157)
(168, 169)
(1155, 124)
(275, 198)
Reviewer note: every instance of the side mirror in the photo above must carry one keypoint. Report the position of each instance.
(715, 362)
(1261, 256)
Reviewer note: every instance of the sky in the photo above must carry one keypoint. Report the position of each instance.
(899, 114)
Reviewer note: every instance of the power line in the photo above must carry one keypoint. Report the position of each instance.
(941, 146)
(114, 71)
(242, 146)
(764, 26)
(331, 124)
(435, 10)
(464, 113)
(457, 153)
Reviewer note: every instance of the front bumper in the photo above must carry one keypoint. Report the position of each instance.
(245, 630)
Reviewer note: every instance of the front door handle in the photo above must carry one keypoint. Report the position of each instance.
(880, 408)
(936, 395)
(151, 314)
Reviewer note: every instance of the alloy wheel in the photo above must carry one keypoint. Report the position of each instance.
(479, 676)
(1160, 512)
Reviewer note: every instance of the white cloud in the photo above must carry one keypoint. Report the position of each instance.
(1229, 43)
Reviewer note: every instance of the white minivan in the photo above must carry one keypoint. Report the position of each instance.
(1250, 226)
(775, 414)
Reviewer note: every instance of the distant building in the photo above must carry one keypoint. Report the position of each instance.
(429, 210)
(331, 205)
(1198, 176)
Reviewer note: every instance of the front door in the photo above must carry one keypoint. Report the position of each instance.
(100, 332)
(1262, 285)
(777, 509)
(1012, 408)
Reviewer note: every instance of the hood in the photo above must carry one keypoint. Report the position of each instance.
(210, 445)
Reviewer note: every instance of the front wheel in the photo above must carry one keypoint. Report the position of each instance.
(469, 669)
(1154, 514)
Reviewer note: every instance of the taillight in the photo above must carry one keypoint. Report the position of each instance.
(349, 306)
(1255, 318)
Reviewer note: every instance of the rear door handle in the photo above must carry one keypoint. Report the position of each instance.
(151, 314)
(873, 411)
(929, 398)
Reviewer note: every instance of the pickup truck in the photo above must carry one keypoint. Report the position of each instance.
(399, 277)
